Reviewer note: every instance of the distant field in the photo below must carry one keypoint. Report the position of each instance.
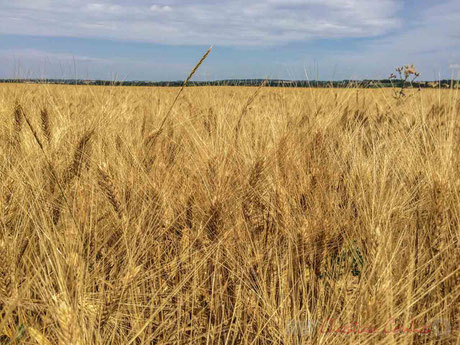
(254, 216)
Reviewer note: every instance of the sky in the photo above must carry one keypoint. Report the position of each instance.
(279, 39)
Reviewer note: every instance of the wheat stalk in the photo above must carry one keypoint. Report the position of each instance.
(50, 166)
(246, 107)
(152, 137)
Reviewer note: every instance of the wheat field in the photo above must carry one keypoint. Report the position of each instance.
(254, 216)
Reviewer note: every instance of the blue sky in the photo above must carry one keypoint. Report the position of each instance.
(292, 39)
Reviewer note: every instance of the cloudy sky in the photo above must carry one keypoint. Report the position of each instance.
(293, 39)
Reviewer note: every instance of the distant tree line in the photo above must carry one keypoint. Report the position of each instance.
(244, 82)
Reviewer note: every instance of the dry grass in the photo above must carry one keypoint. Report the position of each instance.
(248, 216)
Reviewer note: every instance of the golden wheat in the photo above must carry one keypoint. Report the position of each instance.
(259, 216)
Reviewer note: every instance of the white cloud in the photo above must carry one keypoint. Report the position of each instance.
(160, 8)
(37, 63)
(430, 39)
(231, 22)
(99, 7)
(36, 55)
